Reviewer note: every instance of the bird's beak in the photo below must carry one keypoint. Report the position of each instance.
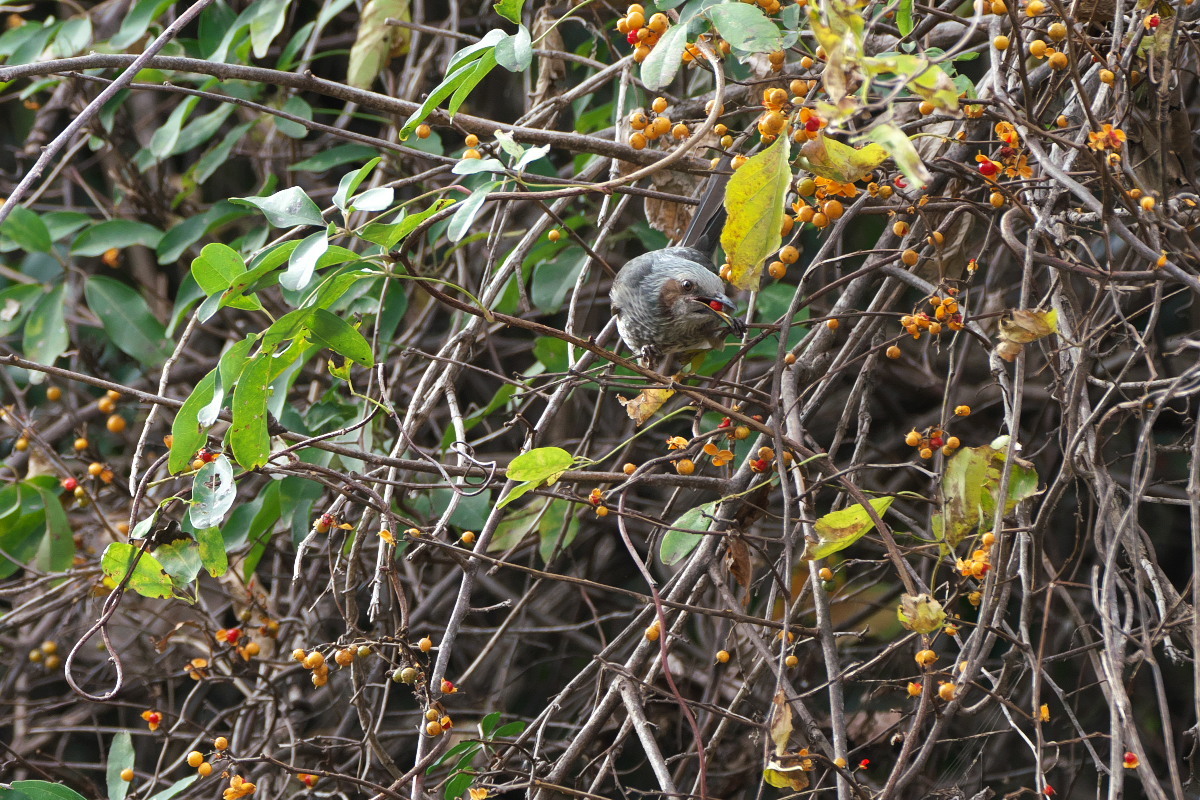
(723, 307)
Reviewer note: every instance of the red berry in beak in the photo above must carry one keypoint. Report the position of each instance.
(716, 305)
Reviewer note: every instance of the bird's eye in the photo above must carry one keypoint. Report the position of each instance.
(687, 285)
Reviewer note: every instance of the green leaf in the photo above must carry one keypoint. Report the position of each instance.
(45, 336)
(187, 435)
(904, 17)
(297, 107)
(687, 533)
(27, 230)
(838, 530)
(665, 59)
(218, 155)
(57, 550)
(515, 52)
(333, 157)
(133, 27)
(149, 578)
(483, 67)
(15, 303)
(901, 149)
(350, 182)
(286, 209)
(556, 530)
(44, 790)
(391, 234)
(459, 70)
(339, 336)
(181, 560)
(754, 201)
(213, 492)
(175, 788)
(460, 223)
(115, 234)
(303, 261)
(540, 464)
(248, 438)
(211, 548)
(745, 27)
(266, 25)
(120, 758)
(127, 320)
(971, 487)
(510, 10)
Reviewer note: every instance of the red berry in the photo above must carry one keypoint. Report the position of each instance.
(988, 168)
(632, 37)
(70, 484)
(900, 183)
(1154, 20)
(936, 441)
(866, 762)
(725, 422)
(812, 125)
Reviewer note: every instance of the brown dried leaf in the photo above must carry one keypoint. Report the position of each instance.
(737, 561)
(781, 723)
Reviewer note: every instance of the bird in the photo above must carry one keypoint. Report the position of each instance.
(670, 304)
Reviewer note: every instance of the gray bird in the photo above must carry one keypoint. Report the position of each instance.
(671, 301)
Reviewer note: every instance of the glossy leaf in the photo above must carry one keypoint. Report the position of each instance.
(510, 10)
(213, 493)
(339, 336)
(44, 790)
(460, 223)
(187, 435)
(248, 438)
(127, 320)
(175, 788)
(15, 303)
(745, 27)
(181, 560)
(286, 209)
(303, 261)
(350, 182)
(26, 230)
(45, 336)
(115, 234)
(515, 52)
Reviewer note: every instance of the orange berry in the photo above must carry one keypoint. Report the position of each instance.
(127, 774)
(115, 424)
(1000, 43)
(723, 656)
(832, 324)
(1107, 76)
(471, 141)
(205, 769)
(659, 105)
(1148, 203)
(106, 405)
(423, 131)
(425, 644)
(685, 466)
(53, 394)
(926, 657)
(926, 108)
(638, 141)
(910, 257)
(313, 660)
(900, 227)
(1057, 31)
(220, 743)
(471, 154)
(1037, 48)
(1058, 61)
(893, 352)
(996, 199)
(629, 468)
(653, 631)
(777, 270)
(195, 758)
(791, 661)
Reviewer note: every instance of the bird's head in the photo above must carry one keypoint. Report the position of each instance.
(689, 291)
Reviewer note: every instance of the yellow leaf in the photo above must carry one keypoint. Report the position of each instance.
(785, 777)
(1020, 326)
(642, 407)
(754, 202)
(838, 27)
(377, 41)
(831, 159)
(781, 723)
(920, 613)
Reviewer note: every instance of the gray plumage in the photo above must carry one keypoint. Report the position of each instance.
(671, 301)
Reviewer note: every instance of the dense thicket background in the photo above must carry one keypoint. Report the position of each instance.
(1062, 179)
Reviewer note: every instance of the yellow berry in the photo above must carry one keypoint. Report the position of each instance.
(127, 774)
(962, 411)
(914, 689)
(832, 324)
(723, 656)
(195, 759)
(1148, 203)
(635, 20)
(220, 743)
(946, 691)
(926, 657)
(1058, 61)
(999, 7)
(53, 394)
(314, 660)
(637, 141)
(423, 131)
(1057, 31)
(81, 443)
(658, 23)
(1000, 43)
(1107, 76)
(910, 257)
(299, 654)
(629, 468)
(471, 141)
(680, 131)
(791, 661)
(205, 769)
(826, 574)
(926, 108)
(996, 199)
(893, 352)
(115, 424)
(899, 227)
(468, 537)
(21, 444)
(432, 715)
(926, 453)
(777, 270)
(685, 466)
(471, 153)
(425, 644)
(659, 105)
(433, 729)
(653, 631)
(344, 657)
(1037, 48)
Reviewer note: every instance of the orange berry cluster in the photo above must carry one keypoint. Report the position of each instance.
(946, 314)
(47, 655)
(238, 788)
(437, 722)
(247, 649)
(651, 127)
(931, 440)
(643, 34)
(596, 498)
(692, 52)
(314, 662)
(197, 761)
(981, 559)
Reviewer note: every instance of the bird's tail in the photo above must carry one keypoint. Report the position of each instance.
(704, 231)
